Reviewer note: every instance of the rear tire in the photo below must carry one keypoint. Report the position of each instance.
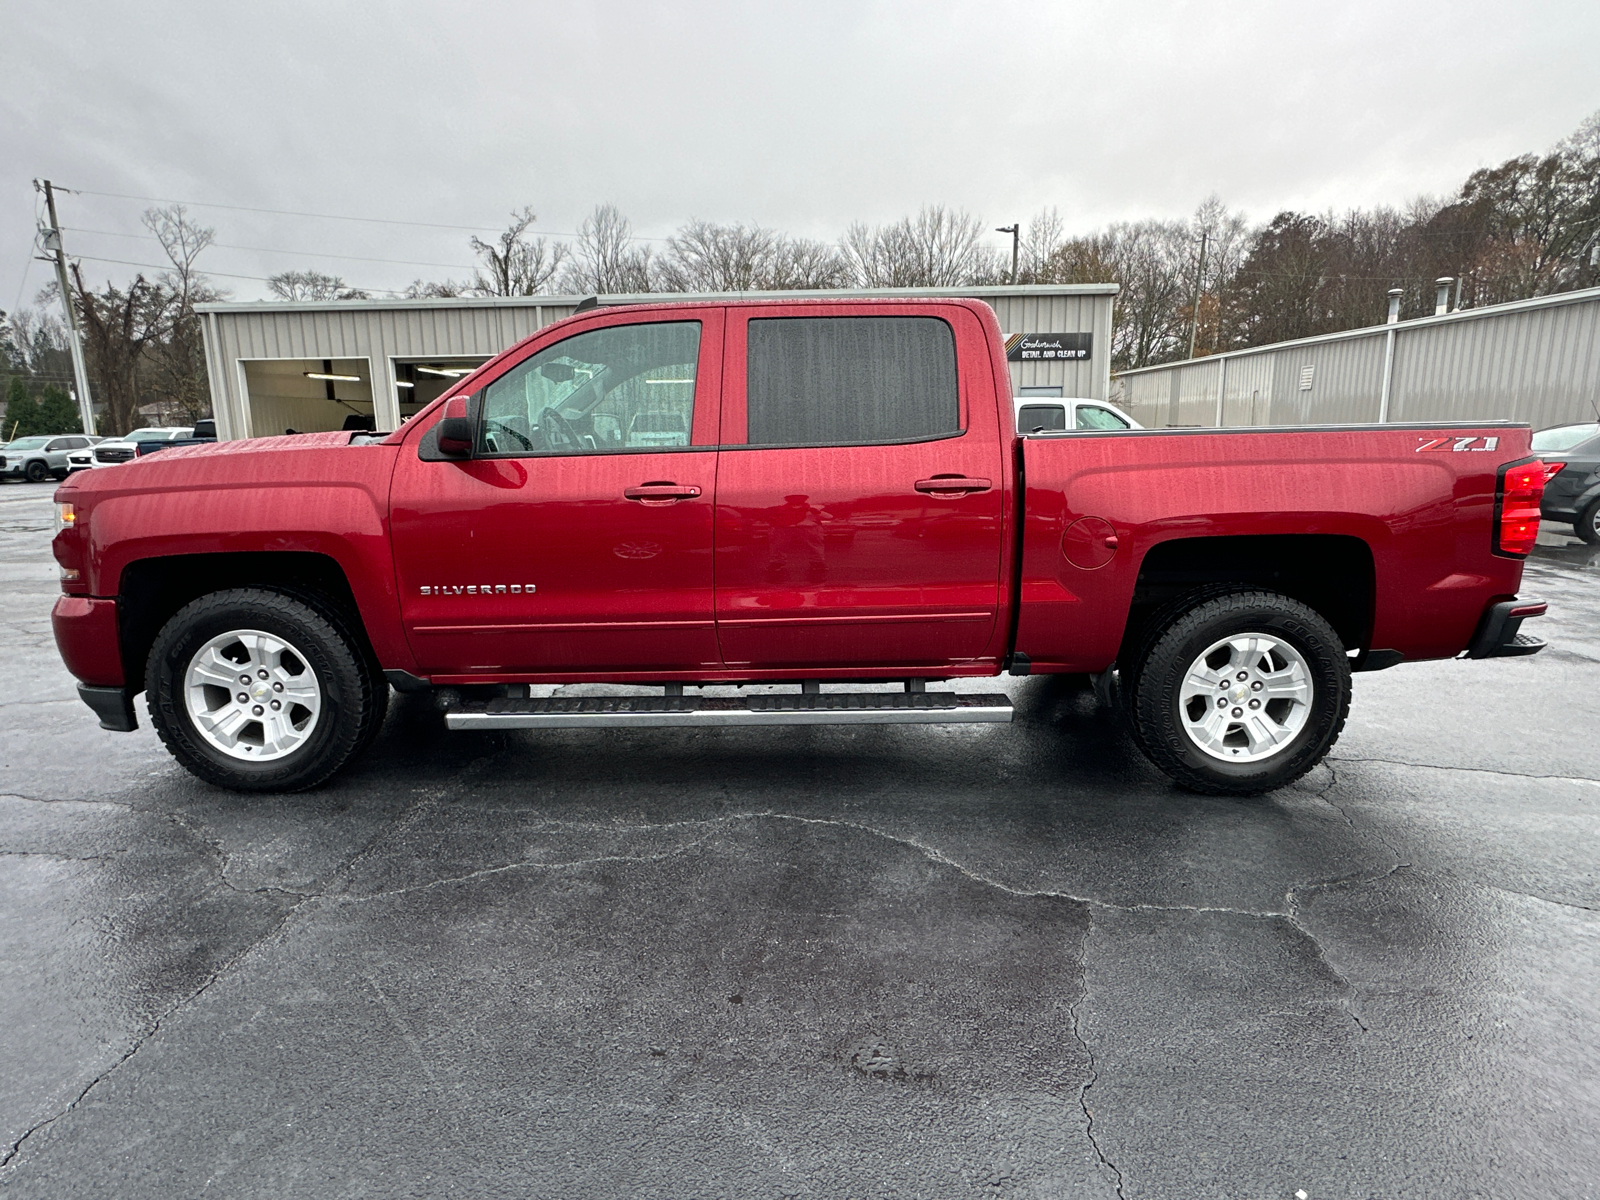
(1587, 526)
(1241, 693)
(301, 658)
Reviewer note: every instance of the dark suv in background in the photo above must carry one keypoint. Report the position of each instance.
(1572, 490)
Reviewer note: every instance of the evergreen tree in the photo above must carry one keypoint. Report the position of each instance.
(22, 411)
(57, 412)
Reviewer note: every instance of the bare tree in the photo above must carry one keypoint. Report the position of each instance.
(119, 328)
(513, 265)
(939, 247)
(177, 366)
(312, 285)
(605, 259)
(444, 289)
(704, 257)
(1040, 241)
(804, 264)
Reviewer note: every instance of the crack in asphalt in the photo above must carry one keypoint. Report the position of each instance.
(1499, 887)
(16, 1147)
(1094, 1068)
(1400, 762)
(412, 812)
(65, 800)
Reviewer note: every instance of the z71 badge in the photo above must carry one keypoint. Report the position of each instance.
(1457, 443)
(478, 589)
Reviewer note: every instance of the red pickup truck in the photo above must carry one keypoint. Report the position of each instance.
(826, 492)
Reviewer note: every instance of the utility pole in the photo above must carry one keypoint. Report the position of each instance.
(1016, 237)
(80, 370)
(1194, 311)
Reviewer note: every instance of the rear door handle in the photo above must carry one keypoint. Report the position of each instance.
(661, 492)
(952, 484)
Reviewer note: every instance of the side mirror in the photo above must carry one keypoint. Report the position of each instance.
(455, 437)
(454, 430)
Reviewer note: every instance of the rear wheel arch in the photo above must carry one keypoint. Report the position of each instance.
(1332, 574)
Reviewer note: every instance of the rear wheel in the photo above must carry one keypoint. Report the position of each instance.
(259, 691)
(1241, 693)
(1587, 526)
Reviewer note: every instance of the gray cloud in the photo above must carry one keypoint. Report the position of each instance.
(804, 116)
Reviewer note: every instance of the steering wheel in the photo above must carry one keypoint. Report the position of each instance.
(558, 435)
(502, 427)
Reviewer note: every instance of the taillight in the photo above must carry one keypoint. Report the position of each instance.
(1551, 470)
(1517, 506)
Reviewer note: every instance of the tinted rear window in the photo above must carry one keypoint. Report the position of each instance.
(850, 380)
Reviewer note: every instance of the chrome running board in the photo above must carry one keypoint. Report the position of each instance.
(654, 712)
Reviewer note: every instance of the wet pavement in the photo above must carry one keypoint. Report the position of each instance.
(971, 961)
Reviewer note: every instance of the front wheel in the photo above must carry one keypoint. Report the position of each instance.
(37, 471)
(259, 691)
(1242, 693)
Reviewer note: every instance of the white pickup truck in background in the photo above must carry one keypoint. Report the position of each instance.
(1043, 414)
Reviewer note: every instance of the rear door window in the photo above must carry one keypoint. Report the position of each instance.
(842, 381)
(621, 389)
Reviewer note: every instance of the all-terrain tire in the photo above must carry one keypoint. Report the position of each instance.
(1156, 707)
(1587, 526)
(351, 705)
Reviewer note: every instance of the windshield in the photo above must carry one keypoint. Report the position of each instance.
(28, 443)
(150, 435)
(1564, 437)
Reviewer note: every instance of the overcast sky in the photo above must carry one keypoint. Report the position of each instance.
(802, 116)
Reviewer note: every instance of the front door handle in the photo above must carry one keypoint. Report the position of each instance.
(951, 485)
(661, 492)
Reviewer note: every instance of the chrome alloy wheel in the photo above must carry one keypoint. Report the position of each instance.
(1246, 697)
(252, 695)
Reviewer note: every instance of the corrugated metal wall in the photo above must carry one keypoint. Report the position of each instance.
(382, 331)
(1534, 360)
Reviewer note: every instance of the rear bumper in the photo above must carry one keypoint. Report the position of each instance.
(1498, 635)
(86, 635)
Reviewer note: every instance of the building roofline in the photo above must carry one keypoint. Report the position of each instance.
(1581, 296)
(1023, 291)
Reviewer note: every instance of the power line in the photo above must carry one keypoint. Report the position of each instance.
(279, 212)
(122, 262)
(282, 212)
(401, 262)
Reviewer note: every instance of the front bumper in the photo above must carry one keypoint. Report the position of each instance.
(87, 636)
(1498, 633)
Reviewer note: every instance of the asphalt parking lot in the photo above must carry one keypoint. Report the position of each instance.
(974, 961)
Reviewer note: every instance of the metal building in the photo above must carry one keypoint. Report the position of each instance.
(1531, 360)
(313, 366)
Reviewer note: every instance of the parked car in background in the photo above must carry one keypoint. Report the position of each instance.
(126, 448)
(1049, 414)
(205, 430)
(1571, 456)
(41, 457)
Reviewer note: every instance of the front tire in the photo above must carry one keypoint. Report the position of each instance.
(1587, 526)
(258, 691)
(1241, 694)
(36, 472)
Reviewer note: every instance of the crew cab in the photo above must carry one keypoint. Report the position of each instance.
(829, 494)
